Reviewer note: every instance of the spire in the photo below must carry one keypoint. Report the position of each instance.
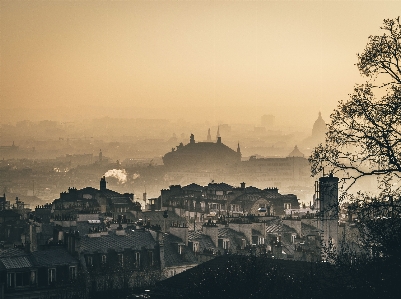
(218, 135)
(296, 153)
(238, 149)
(209, 137)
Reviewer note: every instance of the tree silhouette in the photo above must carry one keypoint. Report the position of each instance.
(364, 134)
(364, 139)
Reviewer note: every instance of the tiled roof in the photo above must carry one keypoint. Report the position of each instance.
(248, 198)
(205, 242)
(234, 236)
(120, 200)
(194, 234)
(133, 239)
(288, 229)
(171, 255)
(193, 187)
(219, 186)
(12, 252)
(252, 189)
(89, 190)
(110, 193)
(198, 226)
(308, 229)
(273, 228)
(53, 257)
(158, 216)
(17, 262)
(288, 248)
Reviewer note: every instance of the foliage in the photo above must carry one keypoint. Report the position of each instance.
(364, 139)
(379, 224)
(364, 135)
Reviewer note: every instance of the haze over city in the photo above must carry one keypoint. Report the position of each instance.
(200, 149)
(216, 61)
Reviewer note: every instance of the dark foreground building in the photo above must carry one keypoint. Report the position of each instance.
(262, 277)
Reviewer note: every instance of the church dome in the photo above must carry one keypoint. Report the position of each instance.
(296, 153)
(319, 127)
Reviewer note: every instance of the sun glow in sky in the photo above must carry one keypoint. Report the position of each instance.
(214, 60)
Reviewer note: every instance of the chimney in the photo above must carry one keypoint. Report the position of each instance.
(180, 231)
(103, 184)
(243, 185)
(210, 229)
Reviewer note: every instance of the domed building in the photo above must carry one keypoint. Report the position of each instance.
(319, 128)
(296, 153)
(201, 155)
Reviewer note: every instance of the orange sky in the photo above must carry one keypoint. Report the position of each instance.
(237, 59)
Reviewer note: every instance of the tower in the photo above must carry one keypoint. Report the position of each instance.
(319, 128)
(218, 135)
(328, 211)
(209, 137)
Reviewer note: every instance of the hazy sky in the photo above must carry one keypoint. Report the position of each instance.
(236, 59)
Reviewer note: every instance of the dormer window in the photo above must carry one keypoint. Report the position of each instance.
(150, 258)
(89, 260)
(73, 272)
(11, 279)
(195, 247)
(51, 275)
(121, 259)
(137, 259)
(33, 277)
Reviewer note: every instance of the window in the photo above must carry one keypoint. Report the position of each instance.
(226, 244)
(150, 257)
(137, 259)
(287, 206)
(11, 279)
(195, 247)
(104, 259)
(73, 272)
(293, 236)
(120, 259)
(89, 261)
(52, 275)
(33, 277)
(19, 280)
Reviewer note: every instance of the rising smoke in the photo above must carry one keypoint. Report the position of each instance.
(119, 174)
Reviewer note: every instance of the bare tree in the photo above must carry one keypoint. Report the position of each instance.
(364, 134)
(364, 139)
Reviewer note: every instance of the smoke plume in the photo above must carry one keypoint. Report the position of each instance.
(119, 174)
